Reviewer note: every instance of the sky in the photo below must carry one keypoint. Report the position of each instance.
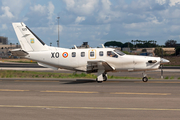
(93, 21)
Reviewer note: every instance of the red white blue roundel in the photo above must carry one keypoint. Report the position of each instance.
(65, 54)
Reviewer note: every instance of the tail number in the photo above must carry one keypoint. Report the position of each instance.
(24, 29)
(54, 54)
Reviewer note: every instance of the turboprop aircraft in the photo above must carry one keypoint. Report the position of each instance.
(90, 60)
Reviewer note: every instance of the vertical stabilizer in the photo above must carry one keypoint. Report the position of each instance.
(28, 40)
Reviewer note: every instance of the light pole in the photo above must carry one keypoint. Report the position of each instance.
(162, 65)
(58, 31)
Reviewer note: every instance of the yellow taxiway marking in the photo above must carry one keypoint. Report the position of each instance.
(129, 93)
(86, 92)
(10, 90)
(35, 81)
(69, 91)
(90, 108)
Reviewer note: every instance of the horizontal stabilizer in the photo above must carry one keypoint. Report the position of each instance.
(19, 52)
(48, 66)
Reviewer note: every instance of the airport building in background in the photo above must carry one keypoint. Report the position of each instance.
(5, 47)
(3, 40)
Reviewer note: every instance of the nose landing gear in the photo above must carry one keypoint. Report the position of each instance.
(144, 79)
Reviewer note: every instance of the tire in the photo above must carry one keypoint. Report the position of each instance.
(99, 81)
(144, 79)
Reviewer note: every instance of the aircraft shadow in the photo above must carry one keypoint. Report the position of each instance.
(81, 81)
(84, 81)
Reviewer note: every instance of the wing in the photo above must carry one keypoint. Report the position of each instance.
(94, 66)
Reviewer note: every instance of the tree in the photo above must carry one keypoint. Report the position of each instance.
(144, 50)
(170, 43)
(158, 51)
(127, 44)
(178, 51)
(113, 43)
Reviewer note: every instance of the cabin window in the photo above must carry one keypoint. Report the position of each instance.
(92, 54)
(82, 54)
(111, 54)
(73, 54)
(101, 53)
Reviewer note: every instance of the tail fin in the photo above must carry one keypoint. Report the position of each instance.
(28, 40)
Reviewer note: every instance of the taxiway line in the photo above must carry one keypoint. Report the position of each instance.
(129, 93)
(10, 90)
(36, 81)
(90, 108)
(85, 92)
(69, 91)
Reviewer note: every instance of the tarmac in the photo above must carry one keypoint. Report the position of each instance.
(85, 99)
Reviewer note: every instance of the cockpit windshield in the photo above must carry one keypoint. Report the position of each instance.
(119, 52)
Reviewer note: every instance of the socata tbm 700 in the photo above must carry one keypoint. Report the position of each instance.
(90, 60)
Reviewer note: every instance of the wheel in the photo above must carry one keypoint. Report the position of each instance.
(104, 77)
(144, 79)
(99, 81)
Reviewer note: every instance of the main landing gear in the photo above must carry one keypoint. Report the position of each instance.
(144, 79)
(101, 76)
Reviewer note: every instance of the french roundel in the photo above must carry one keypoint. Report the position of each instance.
(65, 54)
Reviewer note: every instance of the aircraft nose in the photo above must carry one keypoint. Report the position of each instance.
(164, 61)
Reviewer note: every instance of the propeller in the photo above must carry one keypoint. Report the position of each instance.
(163, 61)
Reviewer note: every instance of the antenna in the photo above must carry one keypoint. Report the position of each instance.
(58, 32)
(75, 46)
(103, 46)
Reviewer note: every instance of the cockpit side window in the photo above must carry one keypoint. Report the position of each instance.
(119, 52)
(111, 54)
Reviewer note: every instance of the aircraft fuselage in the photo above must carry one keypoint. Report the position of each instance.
(76, 59)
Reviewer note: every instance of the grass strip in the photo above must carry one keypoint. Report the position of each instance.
(34, 74)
